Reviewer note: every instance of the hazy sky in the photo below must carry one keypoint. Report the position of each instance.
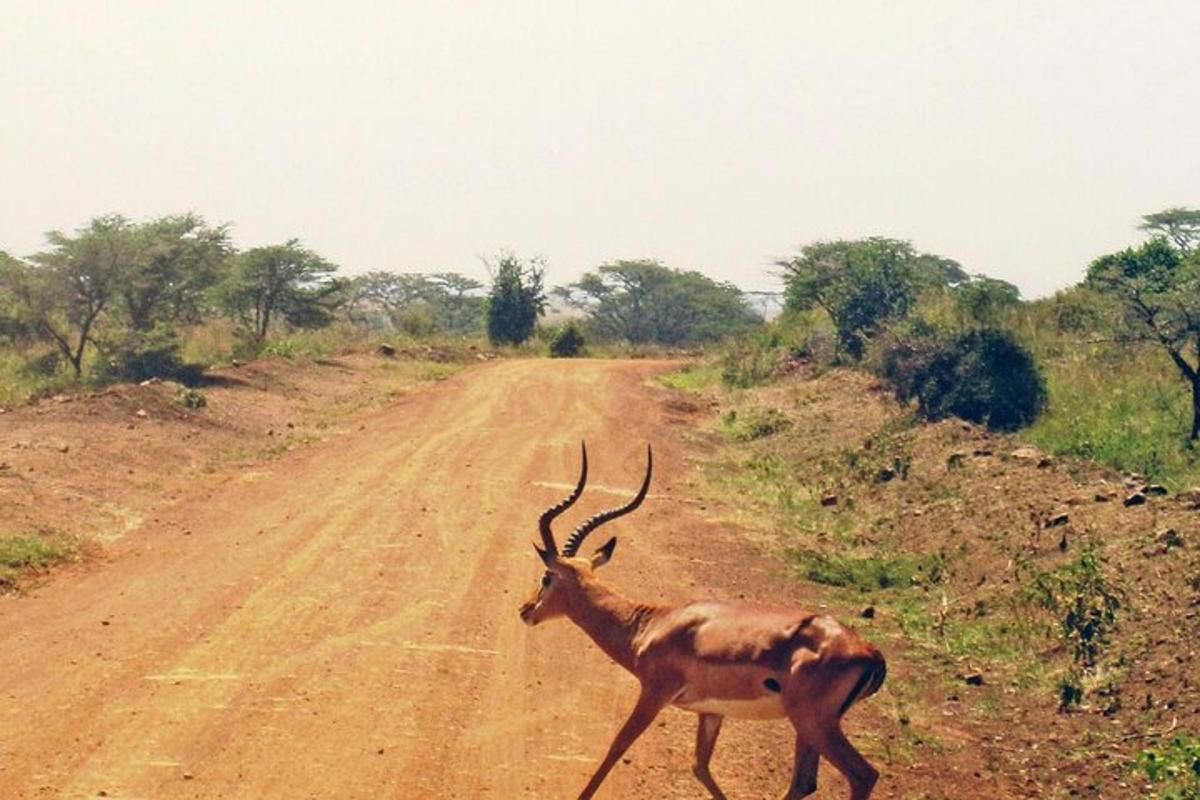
(1021, 138)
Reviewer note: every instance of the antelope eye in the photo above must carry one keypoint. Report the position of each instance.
(546, 580)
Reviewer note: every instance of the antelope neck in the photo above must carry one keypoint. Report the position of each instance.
(613, 621)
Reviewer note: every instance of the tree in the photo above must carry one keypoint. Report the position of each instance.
(460, 308)
(984, 300)
(446, 300)
(515, 302)
(644, 301)
(388, 293)
(1180, 225)
(176, 260)
(68, 286)
(285, 280)
(863, 283)
(1158, 287)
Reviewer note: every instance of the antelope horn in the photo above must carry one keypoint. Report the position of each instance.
(549, 548)
(581, 533)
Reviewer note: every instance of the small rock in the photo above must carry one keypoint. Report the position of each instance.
(829, 500)
(1135, 499)
(973, 679)
(867, 613)
(1155, 490)
(1169, 537)
(1190, 498)
(1061, 518)
(62, 447)
(1103, 497)
(884, 475)
(4, 465)
(187, 776)
(1026, 453)
(142, 413)
(61, 398)
(233, 362)
(386, 350)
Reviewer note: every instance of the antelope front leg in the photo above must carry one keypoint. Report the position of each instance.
(706, 740)
(648, 705)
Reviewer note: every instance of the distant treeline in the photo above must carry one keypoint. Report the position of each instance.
(114, 299)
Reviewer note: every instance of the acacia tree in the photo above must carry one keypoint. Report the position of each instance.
(644, 301)
(515, 301)
(286, 281)
(177, 259)
(445, 301)
(66, 288)
(863, 283)
(1180, 225)
(1158, 287)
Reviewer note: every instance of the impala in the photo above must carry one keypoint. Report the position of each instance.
(713, 658)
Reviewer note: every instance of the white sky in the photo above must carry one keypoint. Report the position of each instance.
(1021, 138)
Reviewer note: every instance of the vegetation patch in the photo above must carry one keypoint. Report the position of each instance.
(22, 555)
(754, 422)
(692, 377)
(1173, 769)
(870, 573)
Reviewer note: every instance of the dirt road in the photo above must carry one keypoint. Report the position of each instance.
(342, 623)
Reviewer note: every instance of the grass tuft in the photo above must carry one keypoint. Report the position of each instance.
(21, 555)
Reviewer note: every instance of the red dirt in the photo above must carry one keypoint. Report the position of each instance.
(342, 622)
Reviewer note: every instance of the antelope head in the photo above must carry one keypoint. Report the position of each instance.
(566, 572)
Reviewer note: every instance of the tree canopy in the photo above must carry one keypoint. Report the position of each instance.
(863, 283)
(644, 301)
(1158, 287)
(515, 301)
(286, 281)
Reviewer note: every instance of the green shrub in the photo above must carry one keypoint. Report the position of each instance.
(1086, 603)
(566, 342)
(192, 398)
(983, 376)
(1174, 768)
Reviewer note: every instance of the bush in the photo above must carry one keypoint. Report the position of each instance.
(141, 355)
(1174, 768)
(567, 342)
(983, 376)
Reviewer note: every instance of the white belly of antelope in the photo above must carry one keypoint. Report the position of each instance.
(765, 707)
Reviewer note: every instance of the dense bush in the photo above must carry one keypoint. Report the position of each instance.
(979, 375)
(515, 301)
(566, 342)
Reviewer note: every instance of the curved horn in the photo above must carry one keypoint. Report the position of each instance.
(548, 545)
(581, 533)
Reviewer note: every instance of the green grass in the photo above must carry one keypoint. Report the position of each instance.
(754, 422)
(697, 377)
(869, 573)
(21, 555)
(24, 376)
(1129, 410)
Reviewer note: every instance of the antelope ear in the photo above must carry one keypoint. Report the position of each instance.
(545, 555)
(604, 553)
